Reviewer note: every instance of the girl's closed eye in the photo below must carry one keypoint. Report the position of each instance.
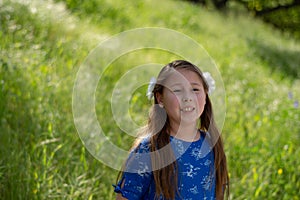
(196, 90)
(176, 90)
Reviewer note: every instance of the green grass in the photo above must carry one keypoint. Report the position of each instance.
(41, 154)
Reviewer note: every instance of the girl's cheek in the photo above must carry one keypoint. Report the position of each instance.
(201, 95)
(176, 98)
(200, 98)
(173, 98)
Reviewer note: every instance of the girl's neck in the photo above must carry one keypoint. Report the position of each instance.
(187, 133)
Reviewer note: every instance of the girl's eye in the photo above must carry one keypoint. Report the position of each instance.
(177, 90)
(196, 89)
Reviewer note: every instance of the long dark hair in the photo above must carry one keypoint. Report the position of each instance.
(158, 128)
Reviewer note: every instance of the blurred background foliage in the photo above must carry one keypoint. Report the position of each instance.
(43, 44)
(282, 14)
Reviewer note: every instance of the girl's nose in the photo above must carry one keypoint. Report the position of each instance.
(186, 99)
(187, 96)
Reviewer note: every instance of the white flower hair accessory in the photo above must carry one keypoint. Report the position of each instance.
(210, 81)
(151, 87)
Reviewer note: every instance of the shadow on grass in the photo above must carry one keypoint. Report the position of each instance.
(284, 60)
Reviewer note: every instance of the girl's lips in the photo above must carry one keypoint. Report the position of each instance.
(187, 109)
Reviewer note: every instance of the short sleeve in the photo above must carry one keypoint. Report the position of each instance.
(136, 180)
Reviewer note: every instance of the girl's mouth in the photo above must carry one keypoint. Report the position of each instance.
(187, 109)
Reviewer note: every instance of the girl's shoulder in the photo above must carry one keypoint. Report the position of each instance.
(143, 146)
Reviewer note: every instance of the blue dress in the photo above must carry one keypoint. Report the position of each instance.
(195, 168)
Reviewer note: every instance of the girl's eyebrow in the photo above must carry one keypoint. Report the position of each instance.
(176, 84)
(179, 84)
(195, 83)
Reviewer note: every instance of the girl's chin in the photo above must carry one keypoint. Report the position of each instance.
(189, 113)
(189, 118)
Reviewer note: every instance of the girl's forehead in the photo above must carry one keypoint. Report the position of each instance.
(183, 76)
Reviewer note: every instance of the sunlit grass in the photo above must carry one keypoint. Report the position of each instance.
(41, 154)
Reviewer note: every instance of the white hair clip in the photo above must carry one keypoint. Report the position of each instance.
(210, 82)
(151, 87)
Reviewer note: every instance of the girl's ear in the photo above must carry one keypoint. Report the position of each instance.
(159, 98)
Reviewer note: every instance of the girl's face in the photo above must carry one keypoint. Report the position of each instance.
(183, 97)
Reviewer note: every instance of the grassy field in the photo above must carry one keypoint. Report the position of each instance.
(42, 156)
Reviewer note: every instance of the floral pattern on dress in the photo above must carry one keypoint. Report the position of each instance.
(191, 171)
(196, 176)
(207, 182)
(197, 153)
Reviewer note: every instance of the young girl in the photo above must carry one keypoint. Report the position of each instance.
(181, 155)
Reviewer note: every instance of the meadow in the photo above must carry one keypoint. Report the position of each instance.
(44, 43)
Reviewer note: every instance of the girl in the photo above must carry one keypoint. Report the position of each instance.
(181, 155)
